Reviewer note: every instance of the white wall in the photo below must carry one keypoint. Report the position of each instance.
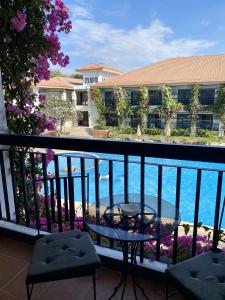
(4, 129)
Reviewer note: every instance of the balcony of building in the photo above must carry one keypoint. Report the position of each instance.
(44, 192)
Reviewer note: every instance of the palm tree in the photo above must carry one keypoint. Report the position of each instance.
(194, 108)
(143, 106)
(168, 108)
(219, 107)
(121, 104)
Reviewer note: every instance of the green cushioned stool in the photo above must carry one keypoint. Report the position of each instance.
(201, 277)
(61, 256)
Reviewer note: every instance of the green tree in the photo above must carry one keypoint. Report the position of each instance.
(219, 107)
(61, 110)
(99, 102)
(194, 108)
(56, 73)
(122, 107)
(168, 108)
(76, 75)
(100, 105)
(143, 106)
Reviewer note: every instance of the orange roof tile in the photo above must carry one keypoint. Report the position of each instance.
(102, 67)
(60, 82)
(172, 71)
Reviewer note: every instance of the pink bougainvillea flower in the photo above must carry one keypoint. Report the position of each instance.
(49, 156)
(18, 22)
(42, 98)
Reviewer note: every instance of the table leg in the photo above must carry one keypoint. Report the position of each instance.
(122, 282)
(129, 262)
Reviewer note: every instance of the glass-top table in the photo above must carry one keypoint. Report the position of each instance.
(152, 220)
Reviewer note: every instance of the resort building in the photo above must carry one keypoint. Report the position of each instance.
(63, 88)
(77, 91)
(92, 74)
(179, 73)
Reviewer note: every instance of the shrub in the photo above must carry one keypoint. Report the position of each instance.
(153, 131)
(126, 130)
(180, 132)
(206, 133)
(100, 124)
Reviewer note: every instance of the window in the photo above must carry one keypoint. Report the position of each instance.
(82, 98)
(111, 120)
(93, 79)
(154, 121)
(184, 96)
(134, 98)
(155, 97)
(207, 96)
(109, 101)
(42, 91)
(54, 93)
(205, 121)
(69, 96)
(183, 121)
(86, 80)
(134, 121)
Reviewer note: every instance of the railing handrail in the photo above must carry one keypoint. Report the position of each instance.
(214, 154)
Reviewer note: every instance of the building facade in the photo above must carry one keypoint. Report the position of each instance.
(77, 91)
(92, 75)
(180, 74)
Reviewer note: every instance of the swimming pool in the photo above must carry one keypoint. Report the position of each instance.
(188, 181)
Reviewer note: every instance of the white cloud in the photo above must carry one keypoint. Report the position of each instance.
(126, 49)
(204, 22)
(80, 11)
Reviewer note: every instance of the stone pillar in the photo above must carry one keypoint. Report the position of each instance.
(4, 129)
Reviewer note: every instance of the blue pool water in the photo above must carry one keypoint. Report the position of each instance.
(188, 182)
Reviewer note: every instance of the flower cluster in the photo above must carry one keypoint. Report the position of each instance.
(66, 226)
(18, 22)
(184, 249)
(58, 21)
(30, 30)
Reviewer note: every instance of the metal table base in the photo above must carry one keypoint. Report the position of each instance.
(130, 262)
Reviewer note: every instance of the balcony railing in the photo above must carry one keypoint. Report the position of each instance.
(47, 200)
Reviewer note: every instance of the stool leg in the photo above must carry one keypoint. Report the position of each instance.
(29, 291)
(94, 285)
(167, 291)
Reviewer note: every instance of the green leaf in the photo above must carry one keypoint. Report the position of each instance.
(209, 235)
(199, 225)
(206, 228)
(186, 228)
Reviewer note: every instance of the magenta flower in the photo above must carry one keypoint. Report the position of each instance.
(18, 22)
(49, 156)
(42, 98)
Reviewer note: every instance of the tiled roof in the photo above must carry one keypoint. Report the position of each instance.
(102, 67)
(60, 82)
(182, 70)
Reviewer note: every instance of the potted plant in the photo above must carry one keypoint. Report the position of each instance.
(100, 130)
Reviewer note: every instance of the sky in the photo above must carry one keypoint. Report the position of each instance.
(129, 34)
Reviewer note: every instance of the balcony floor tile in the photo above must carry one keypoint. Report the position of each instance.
(14, 258)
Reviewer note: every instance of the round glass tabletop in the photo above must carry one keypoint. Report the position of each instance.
(134, 222)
